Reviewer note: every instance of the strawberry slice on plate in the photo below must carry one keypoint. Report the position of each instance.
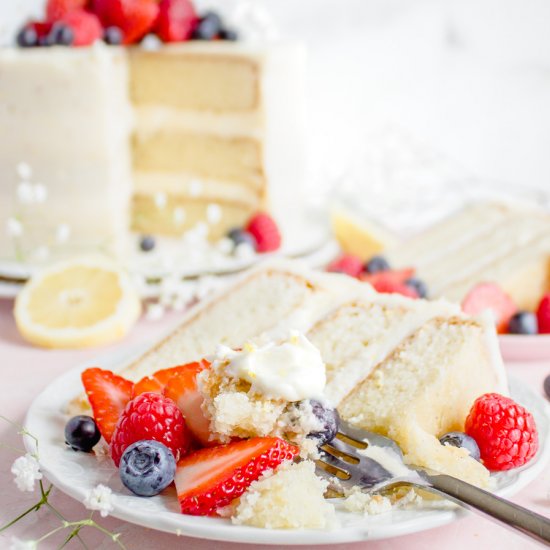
(182, 388)
(209, 479)
(108, 395)
(157, 381)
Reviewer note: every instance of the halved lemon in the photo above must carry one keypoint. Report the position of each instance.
(77, 303)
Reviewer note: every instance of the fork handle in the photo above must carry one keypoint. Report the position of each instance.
(473, 498)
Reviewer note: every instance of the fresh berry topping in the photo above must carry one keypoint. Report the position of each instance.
(209, 479)
(56, 9)
(265, 231)
(108, 395)
(135, 18)
(504, 431)
(523, 322)
(62, 35)
(147, 468)
(387, 286)
(419, 286)
(229, 34)
(150, 416)
(393, 276)
(156, 383)
(147, 243)
(113, 36)
(329, 419)
(489, 296)
(543, 315)
(460, 439)
(209, 27)
(240, 236)
(176, 21)
(85, 26)
(82, 433)
(28, 37)
(182, 389)
(546, 385)
(346, 263)
(377, 264)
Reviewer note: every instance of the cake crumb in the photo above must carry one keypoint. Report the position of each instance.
(364, 503)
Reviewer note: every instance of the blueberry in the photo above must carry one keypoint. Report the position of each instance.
(418, 285)
(62, 35)
(330, 420)
(147, 467)
(113, 36)
(240, 236)
(377, 264)
(460, 439)
(209, 27)
(82, 433)
(229, 34)
(27, 37)
(523, 322)
(546, 385)
(147, 243)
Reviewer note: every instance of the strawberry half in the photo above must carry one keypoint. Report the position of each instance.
(176, 21)
(391, 287)
(490, 296)
(209, 479)
(182, 389)
(108, 395)
(56, 9)
(390, 277)
(157, 381)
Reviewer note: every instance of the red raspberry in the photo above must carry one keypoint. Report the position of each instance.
(504, 431)
(346, 263)
(151, 416)
(56, 9)
(543, 315)
(264, 229)
(176, 21)
(85, 26)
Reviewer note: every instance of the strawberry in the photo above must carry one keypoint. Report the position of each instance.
(264, 229)
(346, 263)
(56, 9)
(182, 389)
(543, 315)
(209, 479)
(176, 21)
(135, 18)
(108, 394)
(391, 287)
(157, 381)
(85, 26)
(390, 277)
(490, 296)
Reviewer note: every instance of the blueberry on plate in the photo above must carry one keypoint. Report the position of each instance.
(460, 439)
(523, 322)
(147, 468)
(240, 236)
(329, 419)
(546, 385)
(27, 37)
(82, 433)
(209, 27)
(377, 264)
(418, 285)
(147, 243)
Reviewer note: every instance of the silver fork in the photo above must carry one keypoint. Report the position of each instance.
(342, 459)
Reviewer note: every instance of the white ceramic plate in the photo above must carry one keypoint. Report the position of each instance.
(518, 347)
(75, 473)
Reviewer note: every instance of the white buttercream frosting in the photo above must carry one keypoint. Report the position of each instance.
(292, 370)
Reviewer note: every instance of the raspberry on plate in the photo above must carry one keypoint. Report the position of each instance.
(176, 21)
(86, 27)
(210, 479)
(347, 263)
(150, 416)
(504, 431)
(543, 315)
(264, 229)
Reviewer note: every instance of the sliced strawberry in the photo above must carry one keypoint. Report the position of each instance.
(176, 21)
(182, 388)
(394, 276)
(108, 394)
(56, 9)
(209, 479)
(157, 381)
(490, 296)
(391, 287)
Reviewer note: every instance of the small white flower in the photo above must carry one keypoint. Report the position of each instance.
(154, 312)
(160, 200)
(18, 544)
(100, 498)
(195, 188)
(40, 192)
(244, 251)
(62, 233)
(25, 192)
(179, 215)
(24, 171)
(14, 227)
(26, 471)
(213, 213)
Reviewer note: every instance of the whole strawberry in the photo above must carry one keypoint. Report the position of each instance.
(151, 416)
(264, 229)
(504, 431)
(176, 21)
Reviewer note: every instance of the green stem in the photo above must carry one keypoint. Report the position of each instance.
(34, 508)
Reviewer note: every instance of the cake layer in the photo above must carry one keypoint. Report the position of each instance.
(200, 76)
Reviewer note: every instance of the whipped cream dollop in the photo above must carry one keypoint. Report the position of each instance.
(292, 370)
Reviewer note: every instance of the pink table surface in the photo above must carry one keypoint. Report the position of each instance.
(27, 370)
